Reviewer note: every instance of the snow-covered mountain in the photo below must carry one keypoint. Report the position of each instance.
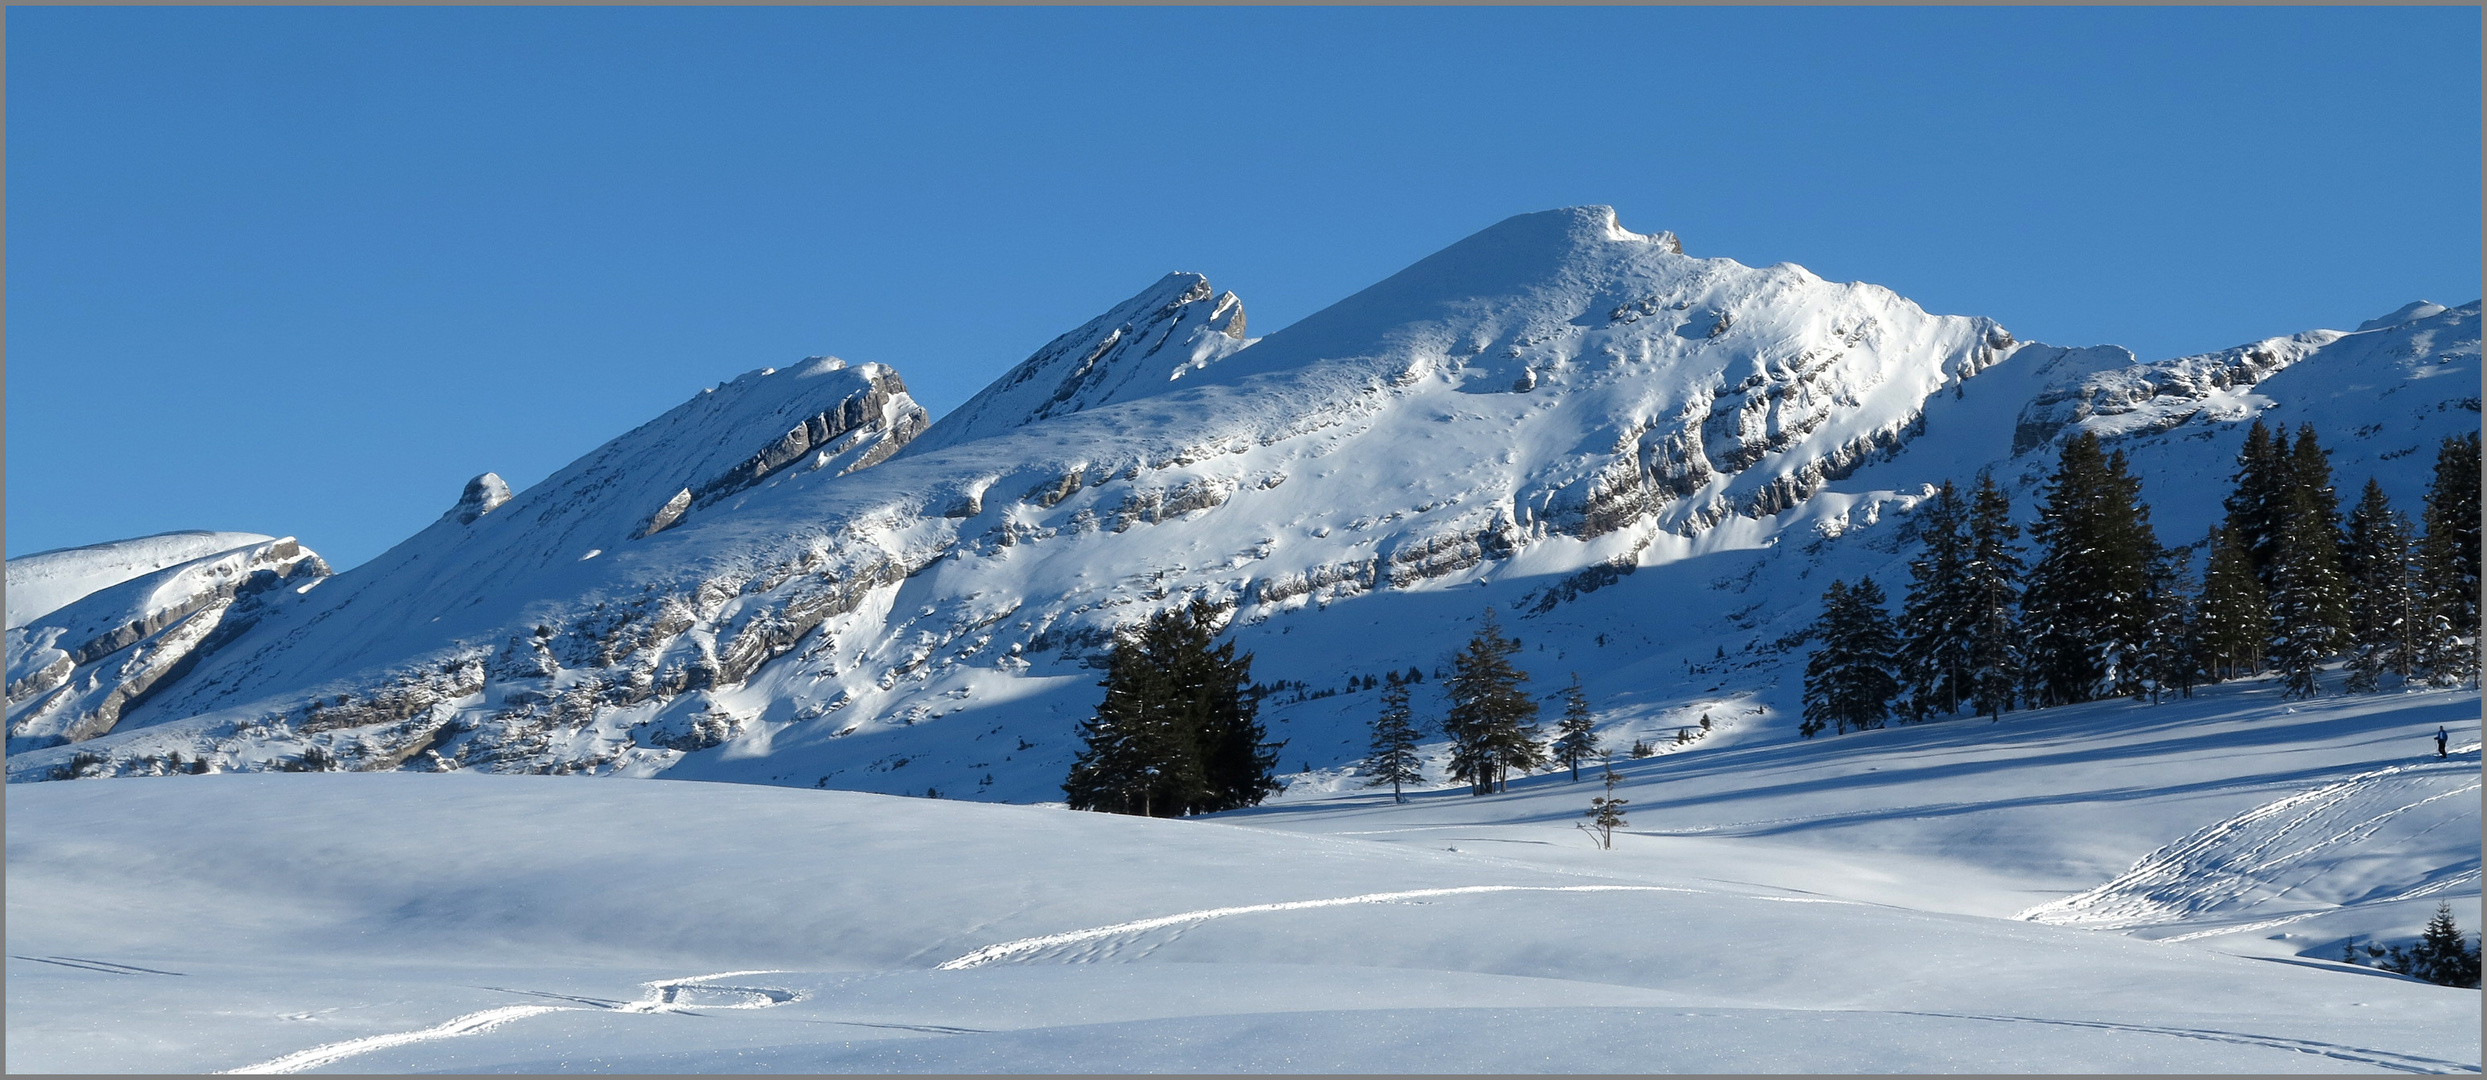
(1175, 327)
(1651, 461)
(93, 631)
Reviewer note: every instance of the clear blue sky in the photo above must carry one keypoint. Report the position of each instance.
(304, 271)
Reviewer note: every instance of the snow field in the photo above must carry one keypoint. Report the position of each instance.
(1837, 905)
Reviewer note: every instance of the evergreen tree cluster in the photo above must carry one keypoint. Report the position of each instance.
(2103, 609)
(1848, 682)
(1491, 721)
(1178, 732)
(2439, 956)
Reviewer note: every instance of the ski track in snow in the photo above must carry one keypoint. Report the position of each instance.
(332, 1053)
(667, 995)
(664, 995)
(1007, 949)
(2382, 1059)
(2229, 860)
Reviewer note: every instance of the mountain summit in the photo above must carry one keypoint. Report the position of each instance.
(1642, 456)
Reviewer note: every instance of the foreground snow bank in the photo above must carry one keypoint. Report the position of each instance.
(383, 922)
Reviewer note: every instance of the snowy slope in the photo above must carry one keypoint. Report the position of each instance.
(493, 552)
(43, 582)
(77, 666)
(1555, 393)
(1817, 907)
(1173, 328)
(1650, 463)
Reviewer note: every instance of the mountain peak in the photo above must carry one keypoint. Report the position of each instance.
(1174, 327)
(2406, 313)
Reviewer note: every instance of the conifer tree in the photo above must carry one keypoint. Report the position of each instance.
(2258, 507)
(2384, 610)
(1392, 759)
(1605, 814)
(2442, 956)
(1937, 634)
(2086, 613)
(1991, 581)
(1492, 722)
(2168, 661)
(1178, 731)
(1575, 738)
(2310, 492)
(1849, 681)
(2448, 556)
(1136, 758)
(2232, 619)
(2308, 604)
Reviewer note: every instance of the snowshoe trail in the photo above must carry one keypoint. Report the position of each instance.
(469, 1024)
(1024, 947)
(664, 995)
(2381, 1059)
(84, 964)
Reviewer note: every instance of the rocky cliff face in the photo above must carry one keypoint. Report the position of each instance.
(73, 671)
(821, 418)
(773, 583)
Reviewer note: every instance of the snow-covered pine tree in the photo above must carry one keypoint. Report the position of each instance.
(2168, 659)
(2448, 557)
(2442, 956)
(2309, 597)
(2258, 507)
(1575, 738)
(1937, 619)
(2232, 618)
(1848, 681)
(1991, 581)
(1392, 758)
(2310, 489)
(2086, 611)
(2384, 611)
(1492, 722)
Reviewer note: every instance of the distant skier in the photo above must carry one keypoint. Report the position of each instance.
(2439, 740)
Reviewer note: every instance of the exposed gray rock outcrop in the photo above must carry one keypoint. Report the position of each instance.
(76, 671)
(483, 493)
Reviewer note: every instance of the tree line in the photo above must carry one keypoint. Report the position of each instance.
(1178, 731)
(2097, 607)
(1491, 721)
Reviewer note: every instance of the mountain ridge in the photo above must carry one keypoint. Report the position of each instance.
(1533, 414)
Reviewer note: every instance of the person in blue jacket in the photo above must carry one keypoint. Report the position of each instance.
(2439, 740)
